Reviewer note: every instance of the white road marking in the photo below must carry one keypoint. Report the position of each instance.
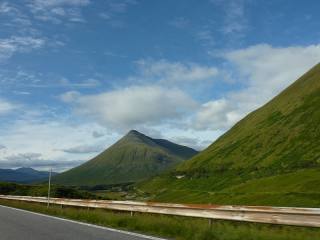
(87, 224)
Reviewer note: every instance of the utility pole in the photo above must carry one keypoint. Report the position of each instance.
(49, 188)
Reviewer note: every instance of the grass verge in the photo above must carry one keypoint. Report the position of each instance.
(174, 227)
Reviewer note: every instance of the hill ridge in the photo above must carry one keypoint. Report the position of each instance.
(23, 175)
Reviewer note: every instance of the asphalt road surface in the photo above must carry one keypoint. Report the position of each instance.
(18, 224)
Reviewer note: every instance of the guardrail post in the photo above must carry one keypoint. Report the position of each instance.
(210, 219)
(131, 214)
(210, 222)
(49, 188)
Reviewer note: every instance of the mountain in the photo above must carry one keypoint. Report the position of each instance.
(133, 158)
(270, 157)
(23, 175)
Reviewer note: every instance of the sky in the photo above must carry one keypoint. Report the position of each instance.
(76, 75)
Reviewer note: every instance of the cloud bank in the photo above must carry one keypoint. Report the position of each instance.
(263, 72)
(133, 106)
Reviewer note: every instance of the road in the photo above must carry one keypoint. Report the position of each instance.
(18, 224)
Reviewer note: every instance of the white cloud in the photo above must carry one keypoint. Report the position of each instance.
(175, 72)
(22, 92)
(114, 11)
(104, 15)
(70, 96)
(179, 22)
(23, 156)
(35, 79)
(217, 115)
(263, 71)
(235, 17)
(56, 3)
(84, 149)
(6, 8)
(40, 143)
(97, 134)
(16, 19)
(10, 46)
(56, 10)
(274, 67)
(235, 20)
(133, 106)
(64, 82)
(35, 160)
(6, 107)
(206, 36)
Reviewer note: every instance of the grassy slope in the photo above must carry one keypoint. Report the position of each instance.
(132, 158)
(175, 227)
(271, 157)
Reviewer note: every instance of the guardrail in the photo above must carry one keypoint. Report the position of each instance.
(309, 217)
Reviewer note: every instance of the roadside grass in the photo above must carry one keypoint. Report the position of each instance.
(172, 227)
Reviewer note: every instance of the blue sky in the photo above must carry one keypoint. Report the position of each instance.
(75, 75)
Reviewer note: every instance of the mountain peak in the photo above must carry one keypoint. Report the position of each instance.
(133, 158)
(133, 136)
(134, 132)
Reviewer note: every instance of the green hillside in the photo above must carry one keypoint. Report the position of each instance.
(272, 156)
(132, 158)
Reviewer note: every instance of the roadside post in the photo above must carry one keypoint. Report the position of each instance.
(49, 188)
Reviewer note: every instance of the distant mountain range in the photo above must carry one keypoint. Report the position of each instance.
(272, 156)
(133, 158)
(23, 175)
